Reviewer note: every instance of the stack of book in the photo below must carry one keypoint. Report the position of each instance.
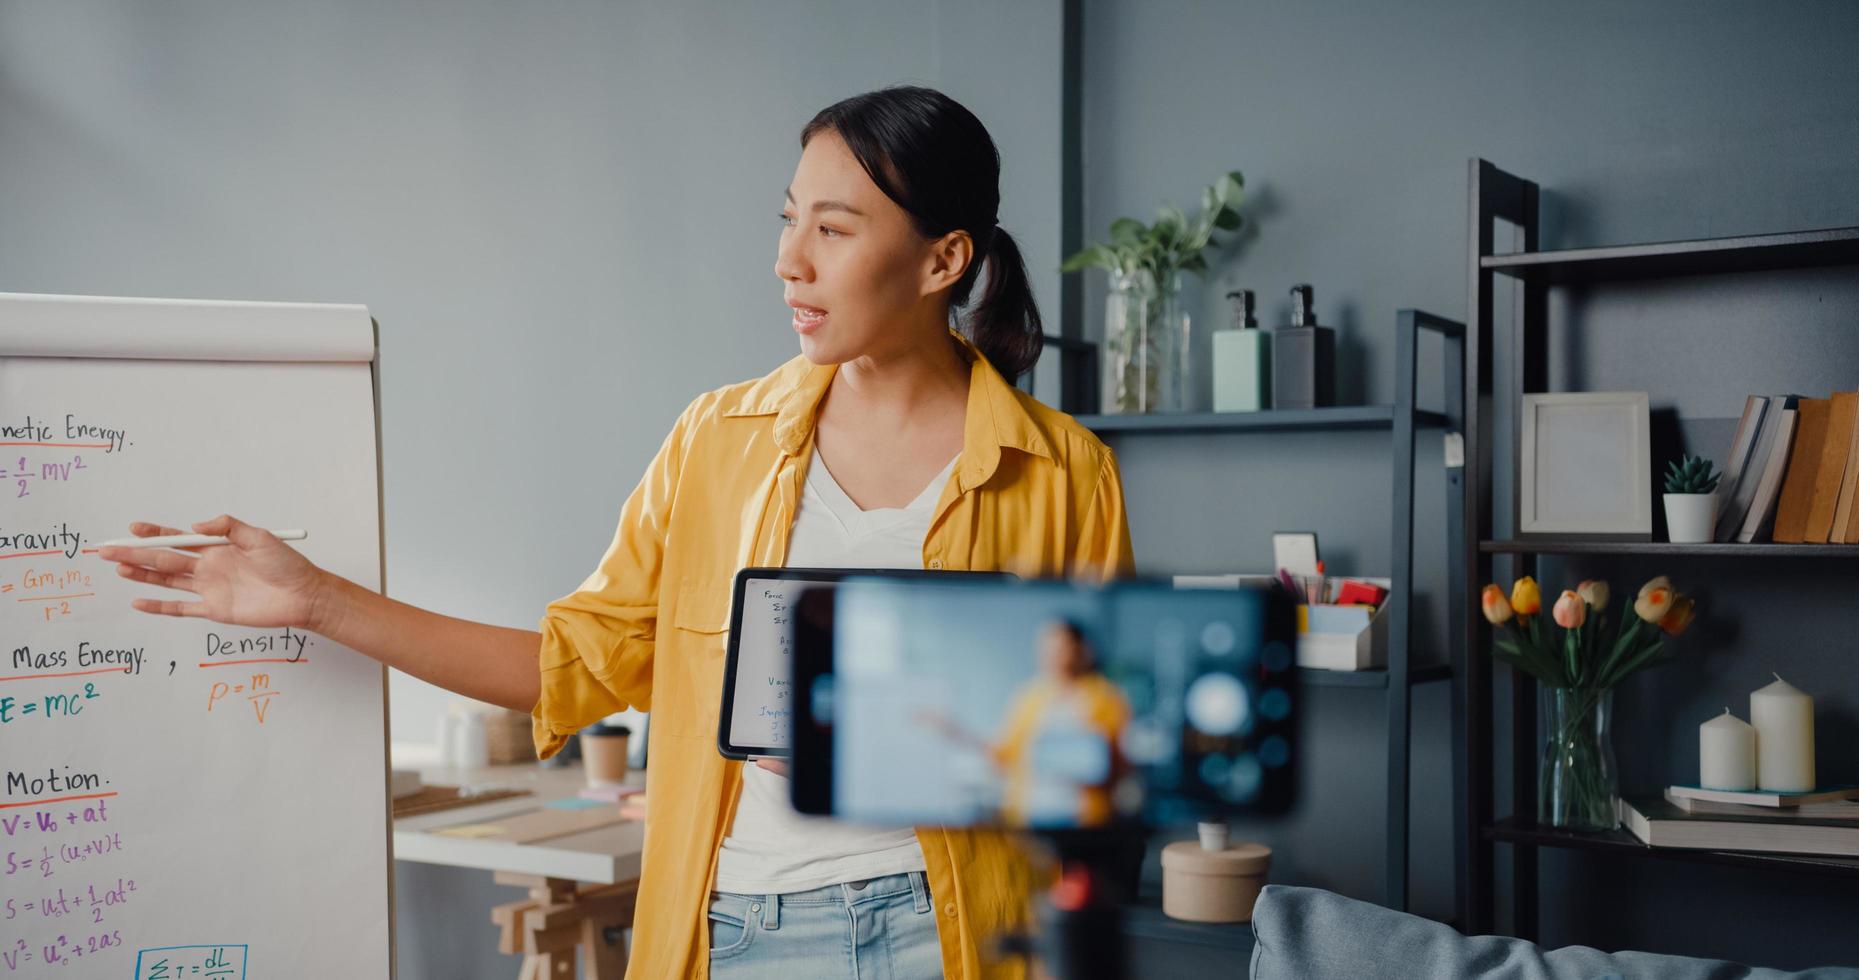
(1824, 822)
(1793, 472)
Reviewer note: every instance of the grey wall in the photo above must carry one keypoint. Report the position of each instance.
(1642, 122)
(563, 216)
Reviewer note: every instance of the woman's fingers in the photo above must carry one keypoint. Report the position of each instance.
(143, 529)
(170, 607)
(160, 559)
(161, 579)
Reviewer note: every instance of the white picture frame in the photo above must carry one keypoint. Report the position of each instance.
(1585, 465)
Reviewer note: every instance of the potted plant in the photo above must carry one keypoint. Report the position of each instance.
(1146, 330)
(1690, 500)
(1579, 786)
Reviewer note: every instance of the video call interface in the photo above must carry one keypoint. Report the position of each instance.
(1050, 706)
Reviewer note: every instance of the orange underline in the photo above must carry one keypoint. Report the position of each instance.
(75, 673)
(48, 598)
(273, 660)
(263, 694)
(72, 445)
(29, 554)
(58, 799)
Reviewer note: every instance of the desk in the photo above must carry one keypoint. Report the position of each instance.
(582, 882)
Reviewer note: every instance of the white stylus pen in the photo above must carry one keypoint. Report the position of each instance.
(192, 540)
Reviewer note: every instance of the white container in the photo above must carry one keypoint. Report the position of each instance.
(1690, 517)
(469, 749)
(1344, 637)
(447, 736)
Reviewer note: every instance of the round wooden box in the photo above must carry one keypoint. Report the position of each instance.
(1199, 885)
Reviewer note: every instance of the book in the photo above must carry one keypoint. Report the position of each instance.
(1846, 511)
(1765, 797)
(1835, 454)
(1659, 823)
(1761, 516)
(1736, 464)
(1735, 506)
(1810, 441)
(1837, 810)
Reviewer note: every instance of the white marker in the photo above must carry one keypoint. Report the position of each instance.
(192, 540)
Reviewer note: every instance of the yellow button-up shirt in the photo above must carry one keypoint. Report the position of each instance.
(1033, 493)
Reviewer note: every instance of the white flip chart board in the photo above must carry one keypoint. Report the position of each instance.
(184, 799)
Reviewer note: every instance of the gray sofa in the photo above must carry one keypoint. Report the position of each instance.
(1312, 934)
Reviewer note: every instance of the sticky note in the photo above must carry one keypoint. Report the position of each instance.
(575, 803)
(471, 830)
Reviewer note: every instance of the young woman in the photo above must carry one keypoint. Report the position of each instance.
(892, 441)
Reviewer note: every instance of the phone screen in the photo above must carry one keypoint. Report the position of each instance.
(1045, 704)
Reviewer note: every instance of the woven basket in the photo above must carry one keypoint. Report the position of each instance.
(507, 738)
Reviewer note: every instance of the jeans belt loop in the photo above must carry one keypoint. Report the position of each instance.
(771, 912)
(919, 891)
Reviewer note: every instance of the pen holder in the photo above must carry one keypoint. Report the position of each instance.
(1343, 637)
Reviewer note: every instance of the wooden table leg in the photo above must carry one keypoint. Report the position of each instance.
(561, 918)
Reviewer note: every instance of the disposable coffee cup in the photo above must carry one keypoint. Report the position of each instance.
(603, 753)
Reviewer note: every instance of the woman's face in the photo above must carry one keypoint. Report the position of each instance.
(861, 280)
(1063, 655)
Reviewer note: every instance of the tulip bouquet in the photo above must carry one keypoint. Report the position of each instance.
(1578, 671)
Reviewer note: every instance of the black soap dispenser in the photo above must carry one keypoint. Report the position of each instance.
(1303, 357)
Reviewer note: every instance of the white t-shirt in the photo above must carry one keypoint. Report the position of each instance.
(770, 849)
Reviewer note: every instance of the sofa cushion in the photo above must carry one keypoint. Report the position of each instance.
(1312, 934)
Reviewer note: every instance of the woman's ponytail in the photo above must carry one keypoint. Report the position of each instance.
(1004, 321)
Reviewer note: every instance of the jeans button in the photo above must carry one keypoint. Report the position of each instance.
(858, 886)
(757, 907)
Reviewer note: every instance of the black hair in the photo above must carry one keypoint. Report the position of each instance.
(1079, 636)
(929, 154)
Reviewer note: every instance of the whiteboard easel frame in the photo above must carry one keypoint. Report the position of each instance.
(387, 758)
(30, 329)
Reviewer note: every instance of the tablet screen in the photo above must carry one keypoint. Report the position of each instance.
(757, 708)
(758, 714)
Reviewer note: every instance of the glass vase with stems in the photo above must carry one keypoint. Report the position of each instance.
(1578, 783)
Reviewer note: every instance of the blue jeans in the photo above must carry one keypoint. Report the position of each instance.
(877, 929)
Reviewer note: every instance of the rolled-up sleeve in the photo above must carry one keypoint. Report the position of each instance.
(1103, 548)
(598, 641)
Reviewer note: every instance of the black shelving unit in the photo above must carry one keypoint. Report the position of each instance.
(1499, 196)
(1620, 843)
(1277, 420)
(1401, 419)
(1664, 549)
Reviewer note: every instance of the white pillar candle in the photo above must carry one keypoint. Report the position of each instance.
(1784, 721)
(1727, 753)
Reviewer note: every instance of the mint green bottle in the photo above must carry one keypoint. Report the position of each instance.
(1242, 360)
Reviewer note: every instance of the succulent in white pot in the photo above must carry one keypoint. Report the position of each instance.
(1690, 500)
